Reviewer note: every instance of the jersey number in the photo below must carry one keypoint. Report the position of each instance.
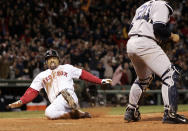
(144, 11)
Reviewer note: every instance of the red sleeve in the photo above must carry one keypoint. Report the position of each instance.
(29, 95)
(89, 77)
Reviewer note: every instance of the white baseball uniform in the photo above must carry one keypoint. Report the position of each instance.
(54, 81)
(144, 52)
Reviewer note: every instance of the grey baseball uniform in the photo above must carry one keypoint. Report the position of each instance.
(145, 53)
(148, 14)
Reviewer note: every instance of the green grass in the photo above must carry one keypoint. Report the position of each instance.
(112, 111)
(22, 114)
(145, 109)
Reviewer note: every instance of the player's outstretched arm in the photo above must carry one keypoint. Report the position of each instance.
(91, 78)
(29, 95)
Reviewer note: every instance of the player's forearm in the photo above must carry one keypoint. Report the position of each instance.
(163, 33)
(89, 77)
(29, 95)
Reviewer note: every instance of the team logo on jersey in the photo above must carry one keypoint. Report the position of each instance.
(49, 79)
(52, 76)
(61, 73)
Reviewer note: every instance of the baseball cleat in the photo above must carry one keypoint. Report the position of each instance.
(77, 114)
(132, 115)
(174, 119)
(87, 115)
(84, 114)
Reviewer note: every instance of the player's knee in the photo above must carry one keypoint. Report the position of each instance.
(144, 83)
(48, 114)
(170, 77)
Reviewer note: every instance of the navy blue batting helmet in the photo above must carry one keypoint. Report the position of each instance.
(51, 53)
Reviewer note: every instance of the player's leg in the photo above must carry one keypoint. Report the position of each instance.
(144, 77)
(60, 109)
(155, 58)
(70, 98)
(170, 79)
(161, 65)
(136, 47)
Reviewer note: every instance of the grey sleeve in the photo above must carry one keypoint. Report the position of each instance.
(160, 13)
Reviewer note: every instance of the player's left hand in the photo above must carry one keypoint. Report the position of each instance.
(16, 104)
(106, 81)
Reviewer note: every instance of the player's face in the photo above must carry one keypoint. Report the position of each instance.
(52, 63)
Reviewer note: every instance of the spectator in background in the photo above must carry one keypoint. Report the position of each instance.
(108, 69)
(126, 74)
(3, 104)
(184, 77)
(107, 62)
(4, 66)
(184, 82)
(35, 26)
(122, 75)
(116, 79)
(101, 70)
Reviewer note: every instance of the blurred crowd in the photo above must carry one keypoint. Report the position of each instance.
(90, 34)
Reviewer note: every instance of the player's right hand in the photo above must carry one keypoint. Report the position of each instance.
(16, 104)
(175, 37)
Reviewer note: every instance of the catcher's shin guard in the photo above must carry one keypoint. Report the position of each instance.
(170, 78)
(132, 114)
(69, 99)
(137, 89)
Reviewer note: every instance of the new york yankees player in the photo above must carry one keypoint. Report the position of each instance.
(148, 28)
(57, 81)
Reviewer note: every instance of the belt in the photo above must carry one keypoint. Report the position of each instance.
(145, 36)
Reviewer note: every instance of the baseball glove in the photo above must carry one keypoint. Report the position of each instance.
(69, 99)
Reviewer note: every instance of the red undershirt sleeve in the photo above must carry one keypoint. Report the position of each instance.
(89, 77)
(29, 95)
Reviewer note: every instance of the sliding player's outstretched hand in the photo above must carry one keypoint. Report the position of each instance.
(106, 82)
(16, 104)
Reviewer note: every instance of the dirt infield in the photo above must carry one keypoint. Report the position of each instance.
(99, 122)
